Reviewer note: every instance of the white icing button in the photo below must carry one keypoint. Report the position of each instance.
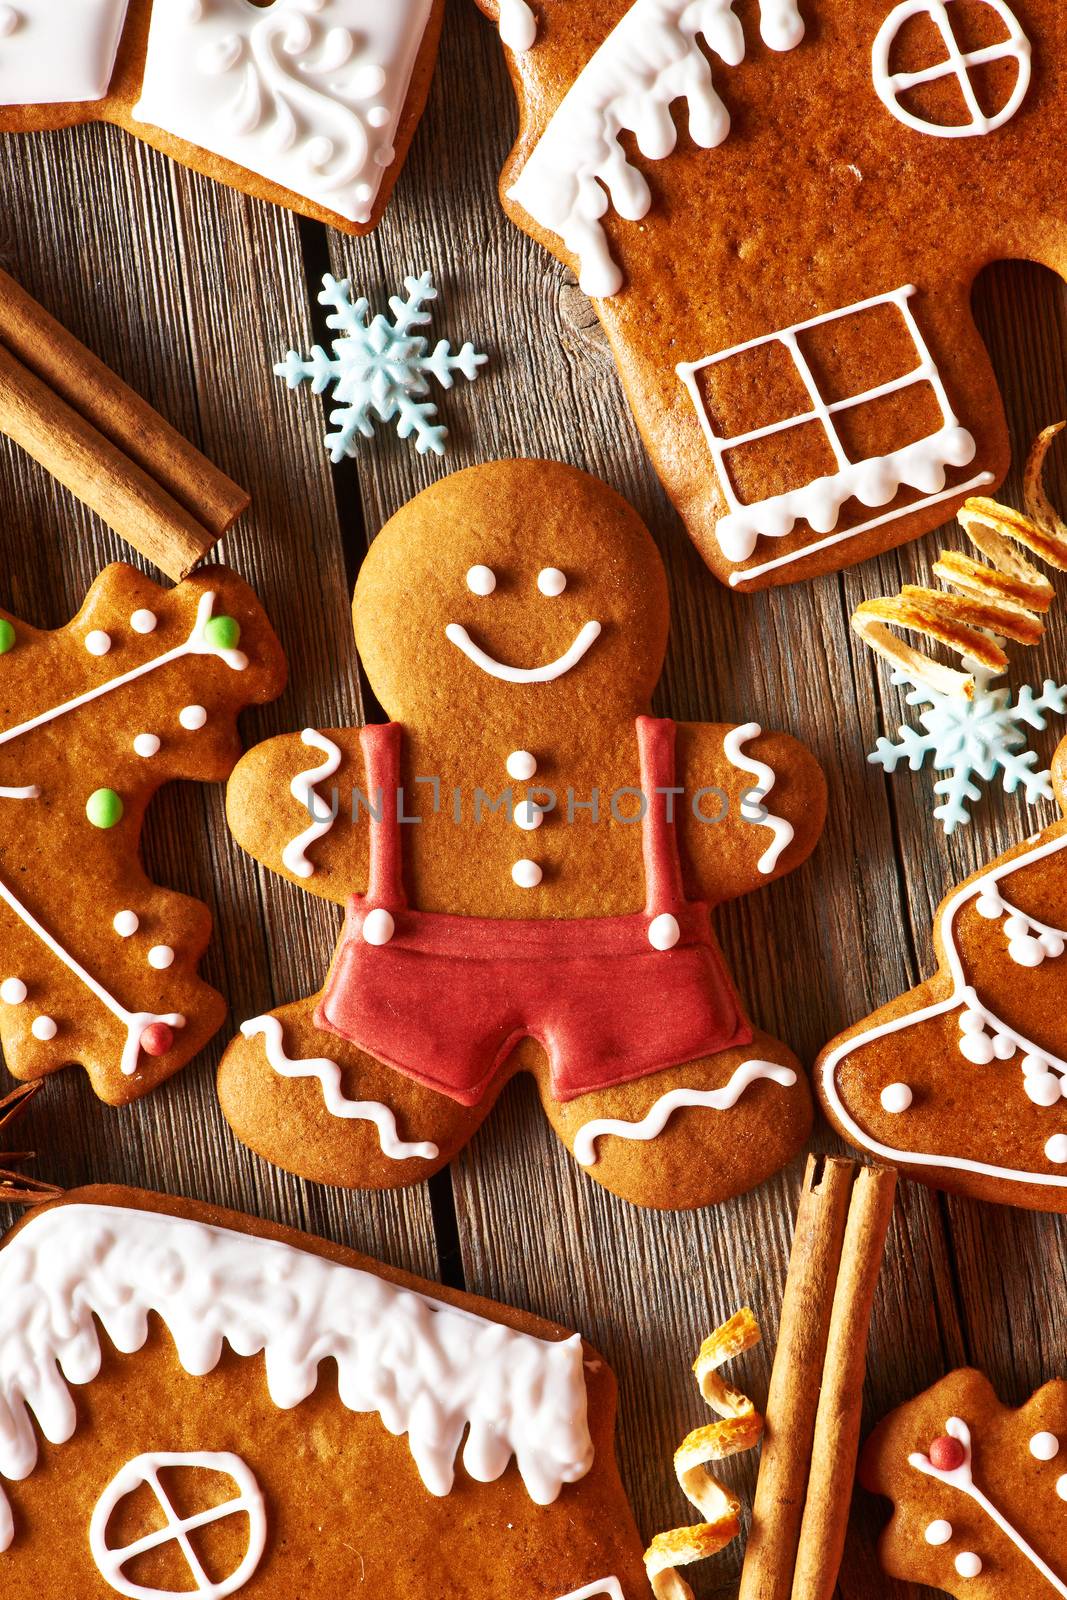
(126, 923)
(551, 581)
(1043, 1088)
(1061, 1487)
(1044, 1446)
(939, 1532)
(192, 717)
(968, 1565)
(12, 991)
(528, 816)
(1056, 1149)
(378, 926)
(664, 932)
(161, 956)
(527, 874)
(143, 622)
(481, 580)
(896, 1097)
(521, 765)
(43, 1028)
(98, 643)
(146, 744)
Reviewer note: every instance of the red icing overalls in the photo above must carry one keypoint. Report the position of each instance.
(447, 998)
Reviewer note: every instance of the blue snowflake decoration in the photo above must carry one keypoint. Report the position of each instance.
(974, 739)
(381, 368)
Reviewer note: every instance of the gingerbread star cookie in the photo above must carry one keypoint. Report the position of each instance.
(961, 1082)
(977, 1490)
(780, 212)
(308, 103)
(99, 965)
(527, 859)
(204, 1455)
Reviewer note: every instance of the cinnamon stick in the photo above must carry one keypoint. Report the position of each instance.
(793, 1397)
(837, 1423)
(104, 441)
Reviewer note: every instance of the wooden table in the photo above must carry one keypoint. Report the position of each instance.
(192, 292)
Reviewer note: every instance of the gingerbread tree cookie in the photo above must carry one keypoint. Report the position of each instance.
(977, 1490)
(962, 1081)
(308, 103)
(781, 221)
(203, 1455)
(144, 686)
(527, 859)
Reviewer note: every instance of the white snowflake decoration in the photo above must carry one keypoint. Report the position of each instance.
(380, 367)
(974, 739)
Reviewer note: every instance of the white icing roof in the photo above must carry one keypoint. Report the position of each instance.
(429, 1370)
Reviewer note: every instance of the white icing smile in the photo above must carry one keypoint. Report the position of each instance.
(585, 639)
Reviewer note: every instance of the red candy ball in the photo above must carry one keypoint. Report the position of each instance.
(947, 1454)
(157, 1039)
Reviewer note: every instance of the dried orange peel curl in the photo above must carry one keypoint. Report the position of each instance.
(740, 1429)
(1005, 597)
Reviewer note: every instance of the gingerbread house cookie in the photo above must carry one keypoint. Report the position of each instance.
(977, 1490)
(308, 103)
(780, 221)
(166, 1428)
(527, 859)
(97, 964)
(962, 1081)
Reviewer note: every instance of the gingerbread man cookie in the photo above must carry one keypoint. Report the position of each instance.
(962, 1082)
(977, 1490)
(308, 103)
(527, 859)
(781, 219)
(454, 1437)
(99, 965)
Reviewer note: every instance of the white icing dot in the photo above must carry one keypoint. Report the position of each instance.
(378, 926)
(972, 1022)
(664, 932)
(126, 923)
(989, 904)
(378, 116)
(939, 1532)
(521, 765)
(1026, 951)
(1044, 1446)
(551, 581)
(161, 956)
(1004, 1047)
(143, 622)
(98, 643)
(528, 816)
(12, 991)
(1034, 1066)
(1061, 1487)
(481, 580)
(527, 874)
(896, 1097)
(192, 717)
(1056, 1149)
(1043, 1088)
(968, 1565)
(977, 1048)
(146, 744)
(44, 1028)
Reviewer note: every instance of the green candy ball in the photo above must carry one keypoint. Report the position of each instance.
(7, 636)
(224, 633)
(104, 808)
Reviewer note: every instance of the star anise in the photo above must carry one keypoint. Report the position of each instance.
(15, 1188)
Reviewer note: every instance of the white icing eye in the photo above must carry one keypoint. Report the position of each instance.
(481, 580)
(143, 622)
(968, 1565)
(1061, 1487)
(161, 956)
(192, 717)
(44, 1028)
(98, 643)
(551, 581)
(939, 1532)
(12, 991)
(1044, 1446)
(126, 923)
(146, 745)
(896, 1097)
(1056, 1149)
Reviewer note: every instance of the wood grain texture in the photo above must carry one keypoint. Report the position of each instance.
(191, 292)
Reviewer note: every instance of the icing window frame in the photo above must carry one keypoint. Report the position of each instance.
(957, 63)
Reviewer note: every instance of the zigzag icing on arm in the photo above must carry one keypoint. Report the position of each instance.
(765, 779)
(962, 1478)
(432, 1371)
(329, 1075)
(652, 1125)
(302, 788)
(651, 59)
